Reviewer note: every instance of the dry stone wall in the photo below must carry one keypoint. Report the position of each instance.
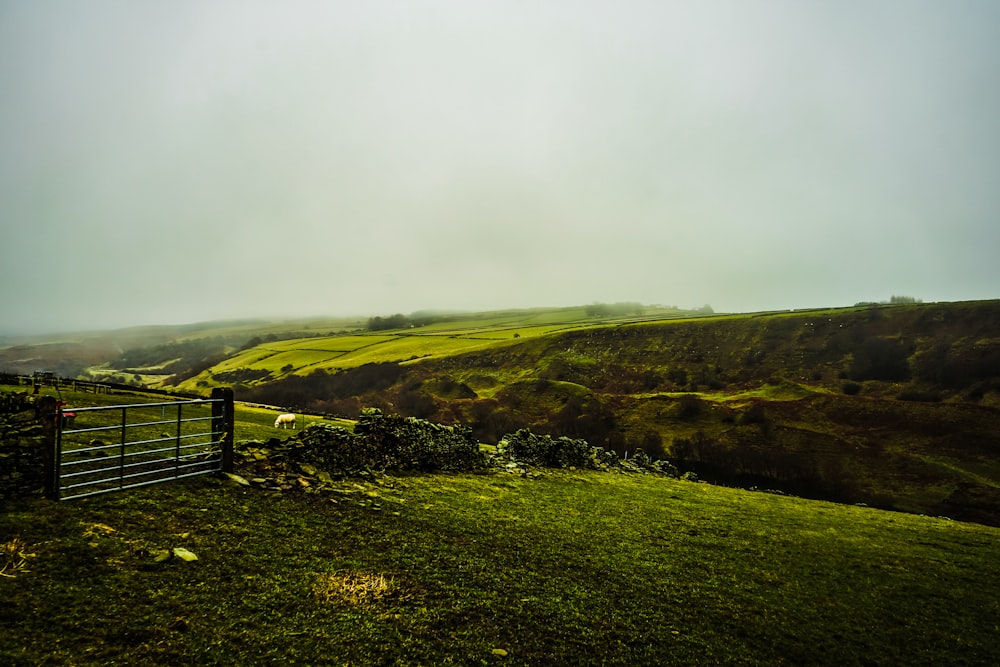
(25, 443)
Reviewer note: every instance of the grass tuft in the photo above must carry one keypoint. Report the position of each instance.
(357, 589)
(13, 559)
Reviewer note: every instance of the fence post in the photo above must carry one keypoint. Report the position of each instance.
(224, 423)
(47, 412)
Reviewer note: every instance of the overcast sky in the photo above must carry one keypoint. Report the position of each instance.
(171, 162)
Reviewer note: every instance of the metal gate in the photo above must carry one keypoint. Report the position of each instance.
(110, 448)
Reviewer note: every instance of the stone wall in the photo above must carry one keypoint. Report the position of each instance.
(26, 431)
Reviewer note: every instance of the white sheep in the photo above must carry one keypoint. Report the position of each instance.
(283, 420)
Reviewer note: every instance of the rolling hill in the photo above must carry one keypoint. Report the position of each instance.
(895, 406)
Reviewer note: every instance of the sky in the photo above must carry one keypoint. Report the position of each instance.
(185, 161)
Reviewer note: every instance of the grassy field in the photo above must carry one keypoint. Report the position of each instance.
(256, 423)
(568, 569)
(252, 422)
(299, 356)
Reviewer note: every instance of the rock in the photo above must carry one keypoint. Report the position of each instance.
(184, 554)
(243, 481)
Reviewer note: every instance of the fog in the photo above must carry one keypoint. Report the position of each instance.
(175, 162)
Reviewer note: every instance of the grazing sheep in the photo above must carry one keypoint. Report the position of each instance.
(283, 420)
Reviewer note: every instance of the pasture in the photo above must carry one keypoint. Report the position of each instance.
(300, 356)
(252, 422)
(571, 568)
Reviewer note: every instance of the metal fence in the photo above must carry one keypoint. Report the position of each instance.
(110, 448)
(41, 379)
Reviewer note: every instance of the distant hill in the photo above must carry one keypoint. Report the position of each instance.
(897, 406)
(892, 405)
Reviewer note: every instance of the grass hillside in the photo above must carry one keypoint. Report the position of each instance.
(270, 361)
(152, 355)
(567, 569)
(892, 406)
(895, 406)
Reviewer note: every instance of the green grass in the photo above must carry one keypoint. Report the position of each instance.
(569, 569)
(252, 423)
(441, 339)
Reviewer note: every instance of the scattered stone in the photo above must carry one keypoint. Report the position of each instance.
(184, 554)
(239, 479)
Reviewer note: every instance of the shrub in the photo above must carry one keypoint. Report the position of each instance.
(652, 443)
(879, 359)
(688, 407)
(242, 376)
(897, 299)
(851, 388)
(754, 415)
(915, 394)
(397, 321)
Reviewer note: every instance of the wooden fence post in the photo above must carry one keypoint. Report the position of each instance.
(47, 412)
(224, 422)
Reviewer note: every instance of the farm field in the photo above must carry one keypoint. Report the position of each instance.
(567, 569)
(252, 422)
(893, 408)
(300, 356)
(897, 407)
